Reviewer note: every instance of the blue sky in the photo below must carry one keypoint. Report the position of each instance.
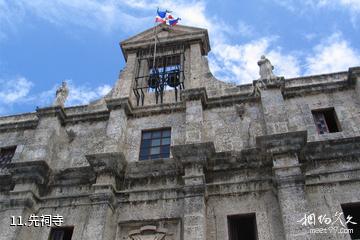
(45, 42)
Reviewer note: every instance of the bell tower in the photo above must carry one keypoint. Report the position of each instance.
(160, 63)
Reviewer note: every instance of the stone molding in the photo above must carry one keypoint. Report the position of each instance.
(331, 149)
(104, 163)
(30, 172)
(194, 153)
(118, 103)
(194, 94)
(55, 111)
(282, 143)
(73, 176)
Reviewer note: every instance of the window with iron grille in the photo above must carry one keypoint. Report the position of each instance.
(352, 213)
(242, 227)
(155, 144)
(6, 154)
(61, 233)
(326, 121)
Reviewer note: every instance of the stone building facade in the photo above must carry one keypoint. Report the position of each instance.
(190, 158)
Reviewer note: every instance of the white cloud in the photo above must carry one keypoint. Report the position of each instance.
(79, 95)
(332, 55)
(14, 90)
(17, 91)
(238, 63)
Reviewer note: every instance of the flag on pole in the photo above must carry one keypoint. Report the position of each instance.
(166, 18)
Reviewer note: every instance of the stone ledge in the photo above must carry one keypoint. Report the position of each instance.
(152, 168)
(16, 126)
(55, 111)
(331, 149)
(113, 163)
(117, 103)
(195, 153)
(85, 117)
(73, 176)
(31, 171)
(194, 94)
(316, 88)
(288, 142)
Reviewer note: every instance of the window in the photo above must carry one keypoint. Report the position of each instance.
(61, 233)
(6, 154)
(326, 121)
(155, 144)
(352, 210)
(242, 227)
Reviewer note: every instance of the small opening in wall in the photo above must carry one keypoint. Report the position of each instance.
(6, 154)
(242, 227)
(352, 213)
(61, 233)
(326, 121)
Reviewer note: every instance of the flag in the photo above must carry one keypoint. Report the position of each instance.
(161, 16)
(173, 22)
(166, 18)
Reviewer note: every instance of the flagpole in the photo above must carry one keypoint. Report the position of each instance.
(155, 33)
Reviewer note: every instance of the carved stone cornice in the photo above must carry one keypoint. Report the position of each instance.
(113, 163)
(195, 153)
(117, 103)
(282, 143)
(343, 148)
(73, 176)
(30, 172)
(55, 111)
(194, 94)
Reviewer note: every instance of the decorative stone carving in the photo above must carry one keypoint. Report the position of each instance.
(61, 95)
(148, 233)
(258, 86)
(266, 69)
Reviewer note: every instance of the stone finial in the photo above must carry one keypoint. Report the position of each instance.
(61, 95)
(266, 69)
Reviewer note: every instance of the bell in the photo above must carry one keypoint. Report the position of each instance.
(154, 80)
(173, 79)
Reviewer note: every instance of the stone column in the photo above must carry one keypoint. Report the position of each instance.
(109, 169)
(289, 179)
(193, 158)
(30, 179)
(273, 107)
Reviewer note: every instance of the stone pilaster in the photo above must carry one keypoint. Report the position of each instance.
(195, 99)
(123, 87)
(30, 179)
(289, 180)
(193, 158)
(109, 169)
(116, 128)
(273, 107)
(48, 137)
(354, 78)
